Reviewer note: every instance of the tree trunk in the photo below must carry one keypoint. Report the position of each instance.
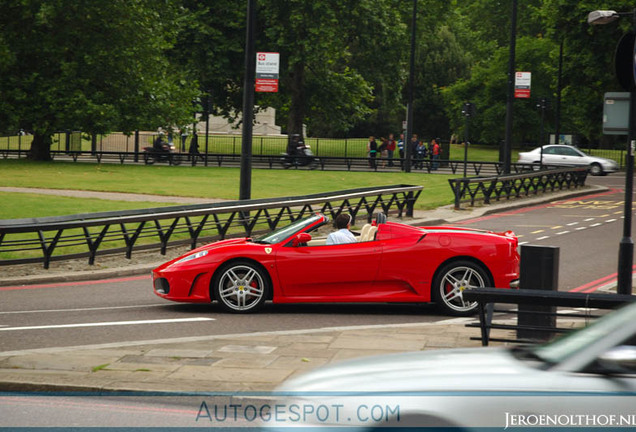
(297, 107)
(41, 147)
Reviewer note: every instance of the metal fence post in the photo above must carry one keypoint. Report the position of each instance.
(539, 270)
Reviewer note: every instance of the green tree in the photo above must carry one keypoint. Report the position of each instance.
(90, 65)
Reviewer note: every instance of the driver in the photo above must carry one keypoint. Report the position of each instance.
(343, 235)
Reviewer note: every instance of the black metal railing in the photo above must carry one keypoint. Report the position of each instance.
(487, 298)
(274, 161)
(87, 235)
(487, 189)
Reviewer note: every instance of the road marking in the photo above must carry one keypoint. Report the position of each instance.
(596, 224)
(572, 224)
(610, 220)
(557, 227)
(562, 232)
(111, 323)
(537, 231)
(543, 238)
(580, 228)
(81, 309)
(522, 243)
(588, 219)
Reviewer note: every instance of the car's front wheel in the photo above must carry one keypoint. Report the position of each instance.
(451, 281)
(596, 169)
(240, 287)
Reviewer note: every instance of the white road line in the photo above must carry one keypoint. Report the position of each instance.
(111, 323)
(572, 223)
(580, 228)
(82, 309)
(522, 243)
(588, 219)
(562, 232)
(542, 238)
(610, 220)
(596, 224)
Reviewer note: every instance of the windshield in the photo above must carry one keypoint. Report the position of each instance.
(288, 231)
(562, 348)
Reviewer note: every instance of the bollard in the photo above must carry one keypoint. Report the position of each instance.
(539, 270)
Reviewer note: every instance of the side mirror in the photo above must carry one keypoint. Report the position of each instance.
(620, 359)
(300, 239)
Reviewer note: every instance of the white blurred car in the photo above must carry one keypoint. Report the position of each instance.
(568, 156)
(585, 379)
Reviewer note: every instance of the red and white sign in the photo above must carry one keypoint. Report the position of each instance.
(266, 85)
(267, 65)
(522, 84)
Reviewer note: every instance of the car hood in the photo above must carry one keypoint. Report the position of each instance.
(493, 369)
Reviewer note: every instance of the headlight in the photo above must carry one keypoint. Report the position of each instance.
(193, 256)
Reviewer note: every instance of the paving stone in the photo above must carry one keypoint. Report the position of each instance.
(227, 374)
(257, 349)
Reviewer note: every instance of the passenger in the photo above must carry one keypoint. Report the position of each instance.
(343, 235)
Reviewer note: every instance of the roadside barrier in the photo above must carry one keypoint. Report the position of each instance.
(488, 297)
(323, 163)
(471, 189)
(56, 238)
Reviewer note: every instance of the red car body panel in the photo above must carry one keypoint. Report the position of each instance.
(400, 265)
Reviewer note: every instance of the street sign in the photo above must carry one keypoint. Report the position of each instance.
(267, 66)
(522, 85)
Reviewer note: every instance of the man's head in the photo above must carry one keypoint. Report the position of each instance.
(343, 221)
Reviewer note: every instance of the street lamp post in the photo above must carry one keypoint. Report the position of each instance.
(626, 247)
(510, 98)
(245, 191)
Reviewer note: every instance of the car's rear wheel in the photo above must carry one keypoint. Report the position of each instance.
(451, 281)
(240, 287)
(596, 169)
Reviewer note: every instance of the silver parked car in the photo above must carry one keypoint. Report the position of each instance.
(568, 156)
(587, 378)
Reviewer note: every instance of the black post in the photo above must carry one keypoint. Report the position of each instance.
(557, 121)
(539, 269)
(207, 127)
(409, 106)
(511, 89)
(137, 145)
(467, 111)
(245, 191)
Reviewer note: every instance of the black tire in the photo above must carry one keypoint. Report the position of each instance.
(240, 287)
(596, 169)
(451, 280)
(148, 159)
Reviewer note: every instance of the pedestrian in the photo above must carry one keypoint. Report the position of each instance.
(414, 145)
(391, 149)
(400, 145)
(384, 152)
(436, 151)
(420, 154)
(372, 150)
(194, 148)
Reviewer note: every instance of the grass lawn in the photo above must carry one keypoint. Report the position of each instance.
(211, 182)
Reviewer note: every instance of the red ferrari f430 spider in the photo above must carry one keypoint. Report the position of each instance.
(390, 262)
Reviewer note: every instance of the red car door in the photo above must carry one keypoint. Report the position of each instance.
(328, 273)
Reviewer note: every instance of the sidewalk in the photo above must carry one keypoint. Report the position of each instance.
(241, 362)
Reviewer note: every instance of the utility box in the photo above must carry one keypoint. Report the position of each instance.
(616, 113)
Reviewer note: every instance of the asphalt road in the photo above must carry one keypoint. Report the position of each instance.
(586, 230)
